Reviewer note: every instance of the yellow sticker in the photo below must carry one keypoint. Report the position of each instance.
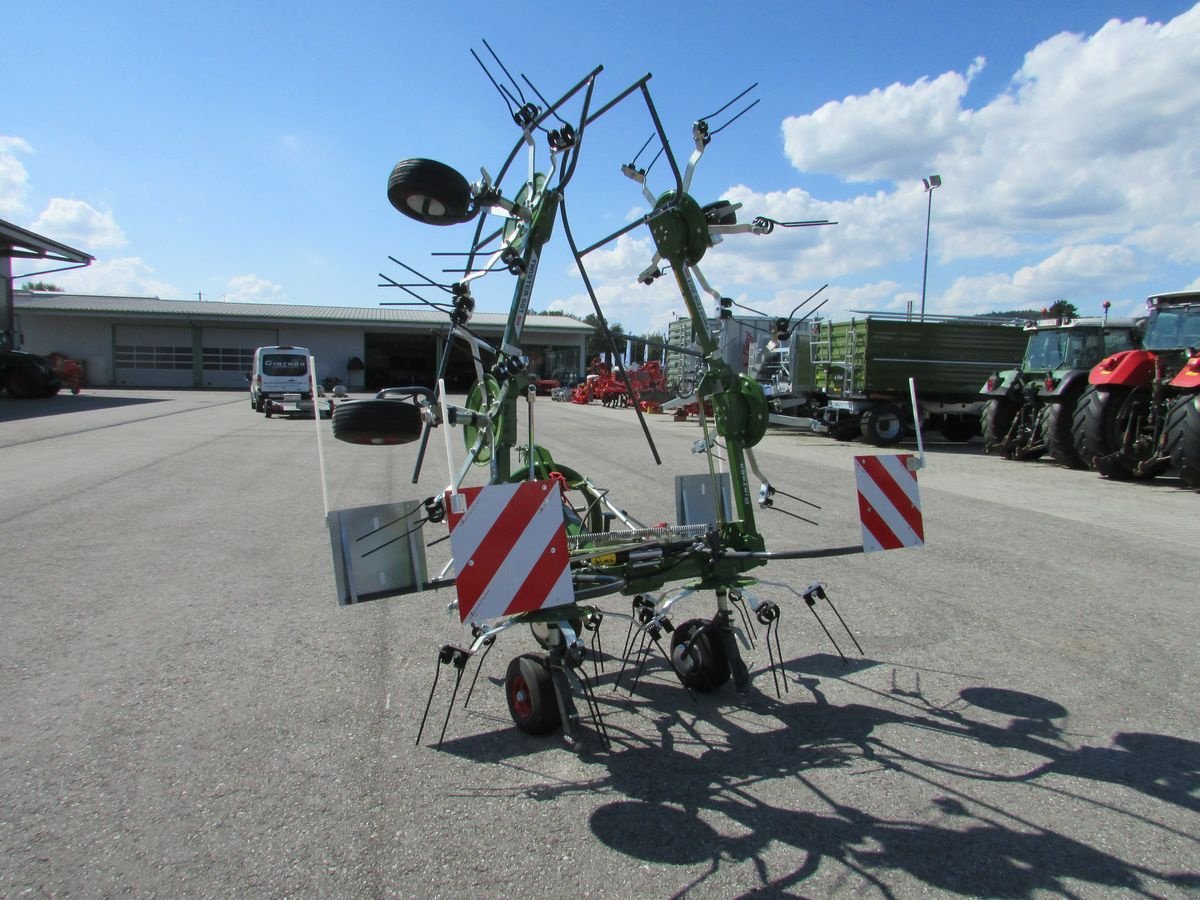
(609, 559)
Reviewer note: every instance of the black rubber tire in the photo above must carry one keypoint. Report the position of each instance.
(430, 192)
(377, 422)
(843, 432)
(882, 425)
(20, 384)
(1058, 428)
(704, 667)
(958, 429)
(995, 422)
(529, 690)
(1108, 413)
(1183, 439)
(1079, 419)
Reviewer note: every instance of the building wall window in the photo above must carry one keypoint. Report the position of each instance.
(227, 359)
(131, 356)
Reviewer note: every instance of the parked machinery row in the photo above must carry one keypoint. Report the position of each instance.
(1120, 396)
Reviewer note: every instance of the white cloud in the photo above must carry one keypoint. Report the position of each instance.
(14, 179)
(252, 289)
(1099, 268)
(124, 276)
(77, 223)
(843, 137)
(1077, 182)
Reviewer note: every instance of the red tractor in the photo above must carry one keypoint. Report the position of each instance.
(1141, 411)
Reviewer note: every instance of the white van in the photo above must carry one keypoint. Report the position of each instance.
(278, 371)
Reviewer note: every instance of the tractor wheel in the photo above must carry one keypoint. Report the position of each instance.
(702, 666)
(530, 693)
(882, 425)
(1108, 418)
(1057, 427)
(996, 420)
(20, 384)
(1183, 439)
(430, 192)
(1079, 417)
(377, 422)
(958, 429)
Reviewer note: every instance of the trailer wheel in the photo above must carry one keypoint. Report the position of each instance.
(1183, 439)
(1058, 427)
(996, 420)
(958, 429)
(882, 425)
(377, 422)
(430, 192)
(703, 665)
(530, 693)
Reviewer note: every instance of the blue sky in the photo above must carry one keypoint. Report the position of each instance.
(240, 151)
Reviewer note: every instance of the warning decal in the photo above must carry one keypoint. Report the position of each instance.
(889, 502)
(510, 549)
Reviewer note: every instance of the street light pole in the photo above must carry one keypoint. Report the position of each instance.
(931, 183)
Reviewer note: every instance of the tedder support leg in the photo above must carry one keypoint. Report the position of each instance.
(733, 653)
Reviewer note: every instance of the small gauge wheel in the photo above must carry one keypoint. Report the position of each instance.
(430, 192)
(699, 656)
(530, 693)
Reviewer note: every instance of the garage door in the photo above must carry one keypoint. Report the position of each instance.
(228, 353)
(153, 356)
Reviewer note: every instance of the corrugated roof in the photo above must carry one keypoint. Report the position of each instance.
(93, 304)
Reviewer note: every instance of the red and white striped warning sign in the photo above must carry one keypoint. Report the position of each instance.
(889, 502)
(510, 549)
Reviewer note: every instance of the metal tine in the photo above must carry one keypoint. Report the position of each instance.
(412, 530)
(425, 278)
(545, 102)
(632, 653)
(740, 602)
(844, 625)
(437, 672)
(488, 644)
(797, 499)
(771, 657)
(731, 102)
(779, 651)
(827, 634)
(589, 696)
(450, 708)
(794, 515)
(717, 131)
(441, 307)
(504, 69)
(509, 100)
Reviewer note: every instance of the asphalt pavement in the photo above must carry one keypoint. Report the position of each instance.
(185, 710)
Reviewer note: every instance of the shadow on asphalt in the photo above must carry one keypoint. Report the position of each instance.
(14, 410)
(667, 787)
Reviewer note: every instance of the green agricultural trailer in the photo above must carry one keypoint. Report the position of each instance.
(860, 370)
